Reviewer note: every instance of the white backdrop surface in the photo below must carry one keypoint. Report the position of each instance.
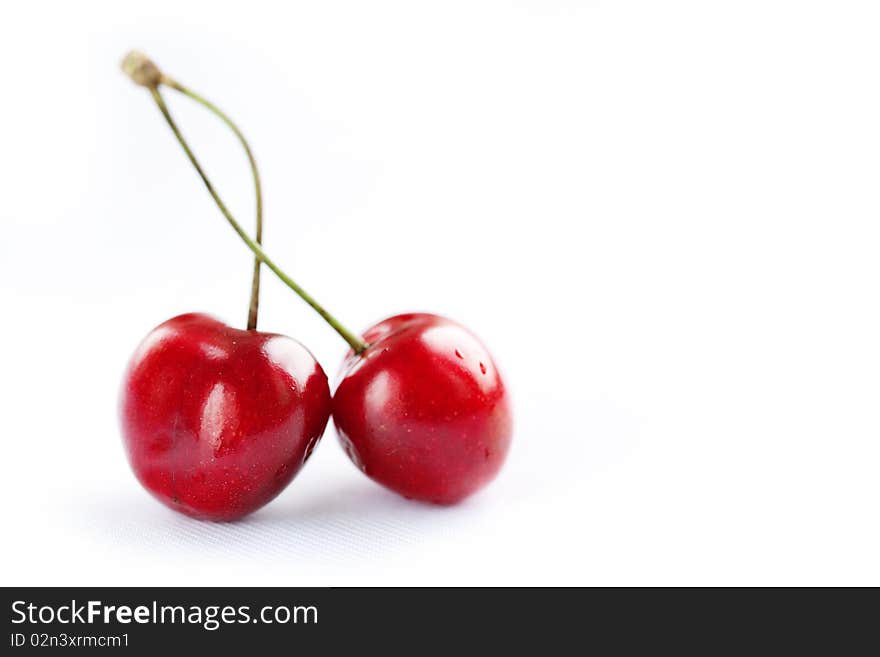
(661, 217)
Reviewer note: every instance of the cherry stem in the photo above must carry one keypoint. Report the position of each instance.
(254, 307)
(145, 73)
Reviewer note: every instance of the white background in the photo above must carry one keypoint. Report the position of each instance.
(662, 217)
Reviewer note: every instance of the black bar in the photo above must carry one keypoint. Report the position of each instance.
(415, 621)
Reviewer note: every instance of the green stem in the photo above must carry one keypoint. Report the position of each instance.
(254, 307)
(356, 343)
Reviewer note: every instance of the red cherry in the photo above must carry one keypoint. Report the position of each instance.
(216, 420)
(423, 410)
(421, 407)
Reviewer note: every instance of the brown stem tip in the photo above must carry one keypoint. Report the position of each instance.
(141, 69)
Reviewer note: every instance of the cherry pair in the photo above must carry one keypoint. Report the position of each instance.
(217, 420)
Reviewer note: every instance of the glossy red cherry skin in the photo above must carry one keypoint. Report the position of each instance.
(217, 421)
(423, 411)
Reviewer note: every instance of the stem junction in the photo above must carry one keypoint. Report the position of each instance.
(144, 72)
